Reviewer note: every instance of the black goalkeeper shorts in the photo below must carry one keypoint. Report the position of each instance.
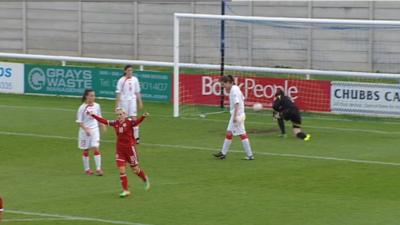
(294, 116)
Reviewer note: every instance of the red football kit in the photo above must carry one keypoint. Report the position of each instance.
(1, 206)
(125, 149)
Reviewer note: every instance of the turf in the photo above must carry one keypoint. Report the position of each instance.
(41, 171)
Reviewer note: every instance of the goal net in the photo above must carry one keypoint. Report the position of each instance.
(324, 65)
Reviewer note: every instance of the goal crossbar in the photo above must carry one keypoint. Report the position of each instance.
(289, 19)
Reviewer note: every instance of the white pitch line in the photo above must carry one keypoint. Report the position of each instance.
(313, 127)
(282, 155)
(68, 217)
(289, 155)
(36, 219)
(325, 128)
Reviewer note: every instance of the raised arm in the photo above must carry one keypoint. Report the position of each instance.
(102, 120)
(140, 119)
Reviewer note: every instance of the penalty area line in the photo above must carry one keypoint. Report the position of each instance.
(66, 217)
(185, 147)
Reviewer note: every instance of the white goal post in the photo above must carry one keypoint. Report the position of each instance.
(178, 17)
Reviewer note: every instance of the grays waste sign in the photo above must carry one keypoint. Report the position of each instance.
(57, 80)
(72, 81)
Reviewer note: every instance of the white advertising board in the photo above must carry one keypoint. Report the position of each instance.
(365, 98)
(11, 77)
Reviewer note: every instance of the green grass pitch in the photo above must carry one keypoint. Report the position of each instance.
(347, 175)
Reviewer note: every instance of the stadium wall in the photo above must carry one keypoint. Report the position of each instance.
(143, 30)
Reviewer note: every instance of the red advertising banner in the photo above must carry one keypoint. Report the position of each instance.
(309, 95)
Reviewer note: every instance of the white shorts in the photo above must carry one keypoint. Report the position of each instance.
(238, 127)
(92, 141)
(130, 107)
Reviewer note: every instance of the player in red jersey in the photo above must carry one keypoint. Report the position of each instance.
(126, 151)
(1, 208)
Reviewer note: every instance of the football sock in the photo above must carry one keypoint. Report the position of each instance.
(124, 181)
(281, 124)
(1, 205)
(136, 132)
(301, 135)
(97, 159)
(246, 145)
(85, 160)
(142, 175)
(227, 144)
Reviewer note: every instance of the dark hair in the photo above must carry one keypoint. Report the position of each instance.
(86, 93)
(279, 92)
(227, 79)
(127, 67)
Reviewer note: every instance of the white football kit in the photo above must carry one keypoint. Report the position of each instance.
(236, 97)
(84, 116)
(128, 88)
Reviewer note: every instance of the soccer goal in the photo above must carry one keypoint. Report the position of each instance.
(324, 65)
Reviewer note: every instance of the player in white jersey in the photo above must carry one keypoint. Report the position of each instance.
(89, 135)
(236, 123)
(129, 97)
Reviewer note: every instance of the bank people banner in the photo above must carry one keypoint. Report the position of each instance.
(311, 95)
(365, 98)
(72, 81)
(11, 77)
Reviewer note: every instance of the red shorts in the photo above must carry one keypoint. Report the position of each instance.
(126, 155)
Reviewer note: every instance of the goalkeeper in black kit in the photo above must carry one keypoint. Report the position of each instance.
(285, 109)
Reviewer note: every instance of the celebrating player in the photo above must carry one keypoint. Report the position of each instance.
(125, 149)
(89, 135)
(285, 109)
(1, 208)
(128, 96)
(236, 122)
